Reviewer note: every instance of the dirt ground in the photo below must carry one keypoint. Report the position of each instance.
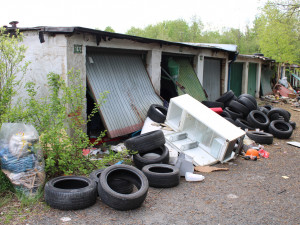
(251, 192)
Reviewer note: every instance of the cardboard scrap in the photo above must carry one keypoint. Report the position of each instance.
(208, 169)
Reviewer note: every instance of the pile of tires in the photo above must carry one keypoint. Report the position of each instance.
(243, 112)
(148, 148)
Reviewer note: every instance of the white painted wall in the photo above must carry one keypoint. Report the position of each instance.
(46, 57)
(154, 68)
(57, 55)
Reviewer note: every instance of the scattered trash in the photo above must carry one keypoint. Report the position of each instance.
(21, 157)
(285, 177)
(232, 196)
(294, 143)
(208, 169)
(252, 153)
(118, 148)
(193, 177)
(263, 153)
(184, 164)
(65, 219)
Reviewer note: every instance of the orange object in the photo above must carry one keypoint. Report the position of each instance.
(252, 152)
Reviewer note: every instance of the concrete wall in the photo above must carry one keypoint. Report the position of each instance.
(50, 56)
(57, 55)
(246, 61)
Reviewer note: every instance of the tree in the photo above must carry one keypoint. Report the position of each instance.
(278, 30)
(12, 54)
(109, 29)
(171, 30)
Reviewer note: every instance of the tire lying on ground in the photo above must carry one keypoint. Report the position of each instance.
(162, 175)
(233, 113)
(123, 201)
(258, 119)
(211, 104)
(140, 161)
(146, 142)
(243, 124)
(260, 137)
(293, 124)
(119, 185)
(157, 113)
(281, 129)
(238, 107)
(70, 192)
(277, 113)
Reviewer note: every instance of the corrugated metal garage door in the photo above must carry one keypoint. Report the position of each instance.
(236, 78)
(188, 78)
(212, 78)
(130, 90)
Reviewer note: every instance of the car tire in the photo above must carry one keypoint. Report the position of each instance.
(225, 114)
(145, 142)
(162, 151)
(157, 113)
(258, 119)
(117, 200)
(277, 113)
(227, 96)
(119, 185)
(233, 113)
(293, 124)
(70, 192)
(250, 97)
(264, 110)
(260, 137)
(243, 124)
(248, 103)
(162, 175)
(239, 107)
(281, 129)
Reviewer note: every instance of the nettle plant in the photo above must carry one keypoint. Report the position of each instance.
(60, 121)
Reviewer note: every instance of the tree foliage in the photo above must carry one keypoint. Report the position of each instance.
(11, 63)
(278, 30)
(109, 29)
(182, 31)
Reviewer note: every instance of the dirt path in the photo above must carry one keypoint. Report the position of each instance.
(251, 192)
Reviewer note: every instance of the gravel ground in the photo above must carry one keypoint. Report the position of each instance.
(251, 192)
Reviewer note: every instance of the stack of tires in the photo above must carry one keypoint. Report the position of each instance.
(152, 157)
(243, 112)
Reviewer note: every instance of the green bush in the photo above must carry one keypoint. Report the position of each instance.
(60, 121)
(6, 185)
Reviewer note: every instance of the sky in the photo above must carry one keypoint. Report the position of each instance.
(121, 15)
